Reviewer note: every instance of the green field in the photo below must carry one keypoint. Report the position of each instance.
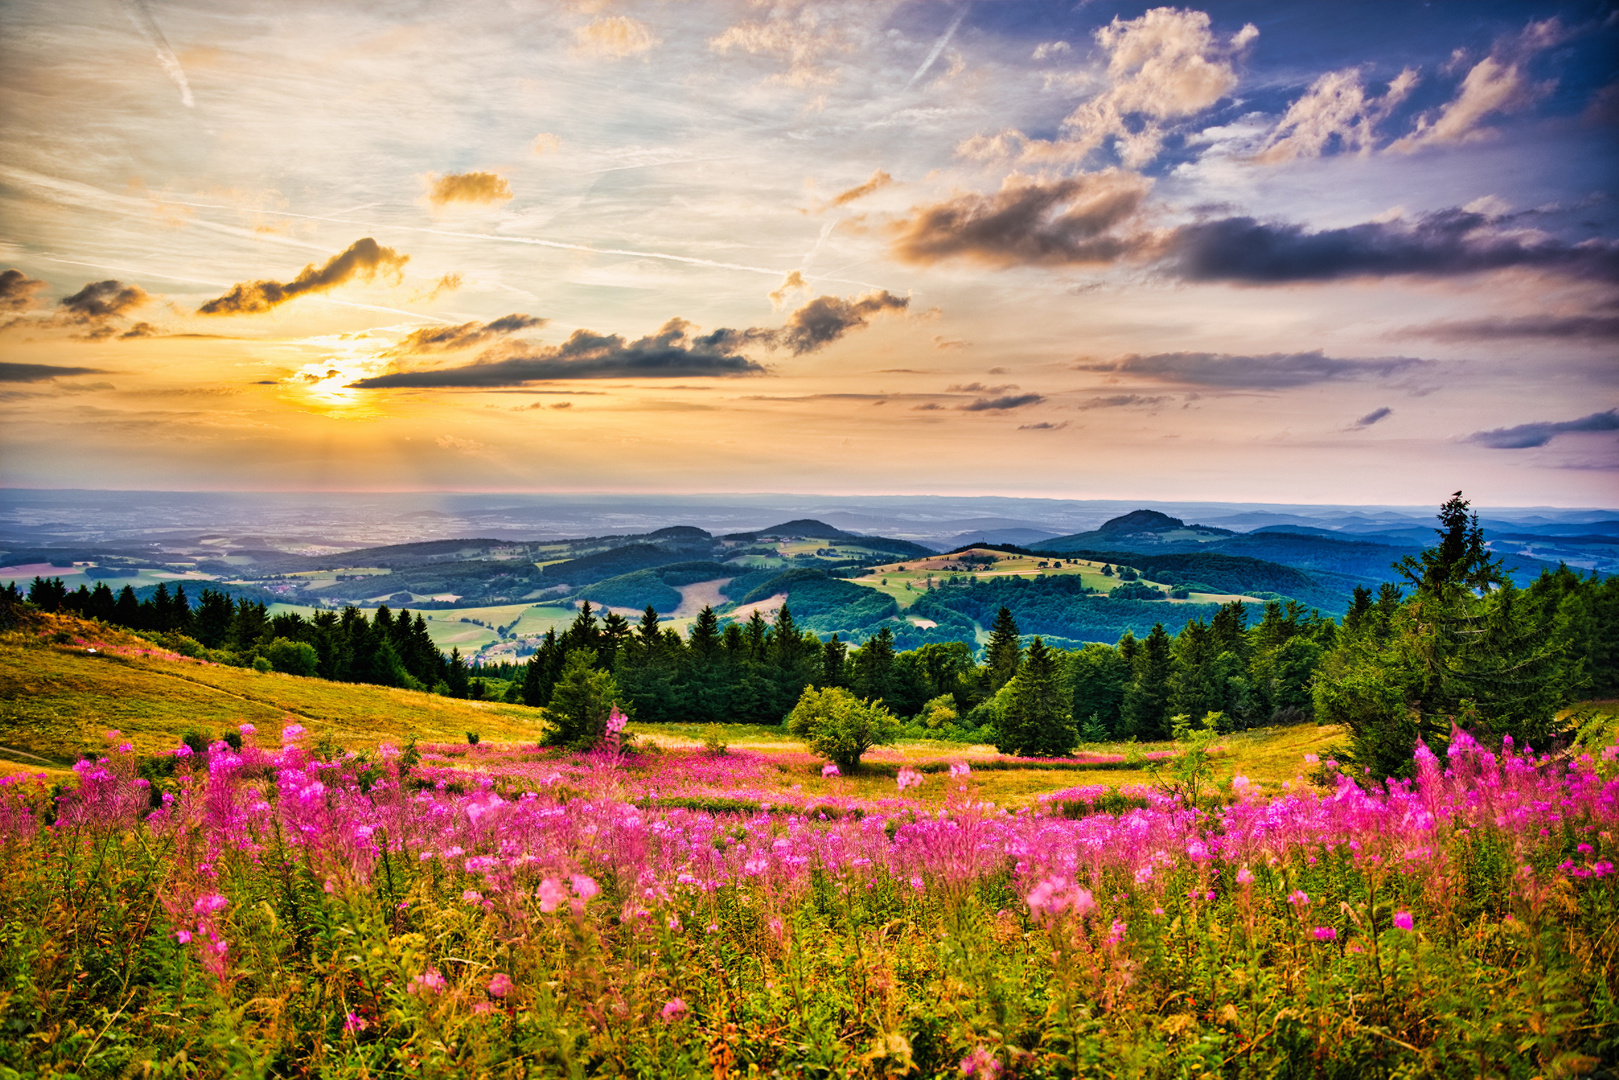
(907, 580)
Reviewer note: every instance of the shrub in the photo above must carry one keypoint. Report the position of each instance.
(839, 726)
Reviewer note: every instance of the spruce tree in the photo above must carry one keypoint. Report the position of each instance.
(1037, 721)
(1144, 713)
(1003, 652)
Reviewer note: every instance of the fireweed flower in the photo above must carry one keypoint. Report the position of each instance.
(674, 1009)
(500, 985)
(1299, 899)
(1402, 919)
(908, 778)
(1325, 933)
(830, 770)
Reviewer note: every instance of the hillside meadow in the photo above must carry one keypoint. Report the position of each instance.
(349, 888)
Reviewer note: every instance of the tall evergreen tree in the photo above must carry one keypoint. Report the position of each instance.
(1145, 712)
(1004, 650)
(1036, 721)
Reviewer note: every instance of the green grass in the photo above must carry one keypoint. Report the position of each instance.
(56, 702)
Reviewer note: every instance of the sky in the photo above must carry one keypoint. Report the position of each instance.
(1280, 252)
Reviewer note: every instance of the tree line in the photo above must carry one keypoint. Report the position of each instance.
(386, 649)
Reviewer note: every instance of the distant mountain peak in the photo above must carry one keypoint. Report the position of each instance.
(819, 530)
(1140, 521)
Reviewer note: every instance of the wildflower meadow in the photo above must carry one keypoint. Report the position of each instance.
(274, 905)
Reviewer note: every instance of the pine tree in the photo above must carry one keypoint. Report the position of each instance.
(1144, 713)
(1037, 721)
(1003, 652)
(580, 704)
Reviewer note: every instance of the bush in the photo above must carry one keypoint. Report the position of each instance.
(839, 726)
(292, 657)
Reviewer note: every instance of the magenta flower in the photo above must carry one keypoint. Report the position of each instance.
(355, 1023)
(1326, 933)
(1402, 919)
(674, 1009)
(500, 985)
(1299, 898)
(830, 770)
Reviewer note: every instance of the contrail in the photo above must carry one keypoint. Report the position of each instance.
(147, 25)
(84, 194)
(938, 47)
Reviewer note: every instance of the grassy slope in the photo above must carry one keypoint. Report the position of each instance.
(56, 701)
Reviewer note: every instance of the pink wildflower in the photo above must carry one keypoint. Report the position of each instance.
(674, 1009)
(909, 777)
(550, 894)
(1326, 933)
(830, 770)
(500, 985)
(584, 887)
(981, 1063)
(1402, 919)
(1298, 898)
(355, 1023)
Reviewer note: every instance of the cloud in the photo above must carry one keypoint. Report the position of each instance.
(670, 353)
(1013, 401)
(364, 258)
(139, 330)
(614, 37)
(1044, 425)
(1524, 326)
(1441, 244)
(477, 188)
(795, 282)
(827, 318)
(102, 300)
(545, 143)
(1525, 436)
(1121, 401)
(1374, 416)
(1496, 84)
(1335, 107)
(448, 283)
(1272, 371)
(879, 179)
(464, 336)
(19, 373)
(1166, 65)
(1029, 221)
(1047, 49)
(17, 290)
(978, 388)
(802, 43)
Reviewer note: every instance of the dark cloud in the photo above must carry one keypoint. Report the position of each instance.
(17, 290)
(103, 300)
(139, 330)
(929, 407)
(1442, 244)
(1012, 401)
(979, 388)
(1272, 371)
(1028, 222)
(1374, 416)
(1526, 326)
(879, 179)
(478, 188)
(466, 335)
(15, 373)
(1121, 401)
(827, 318)
(1525, 436)
(1044, 425)
(364, 258)
(670, 353)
